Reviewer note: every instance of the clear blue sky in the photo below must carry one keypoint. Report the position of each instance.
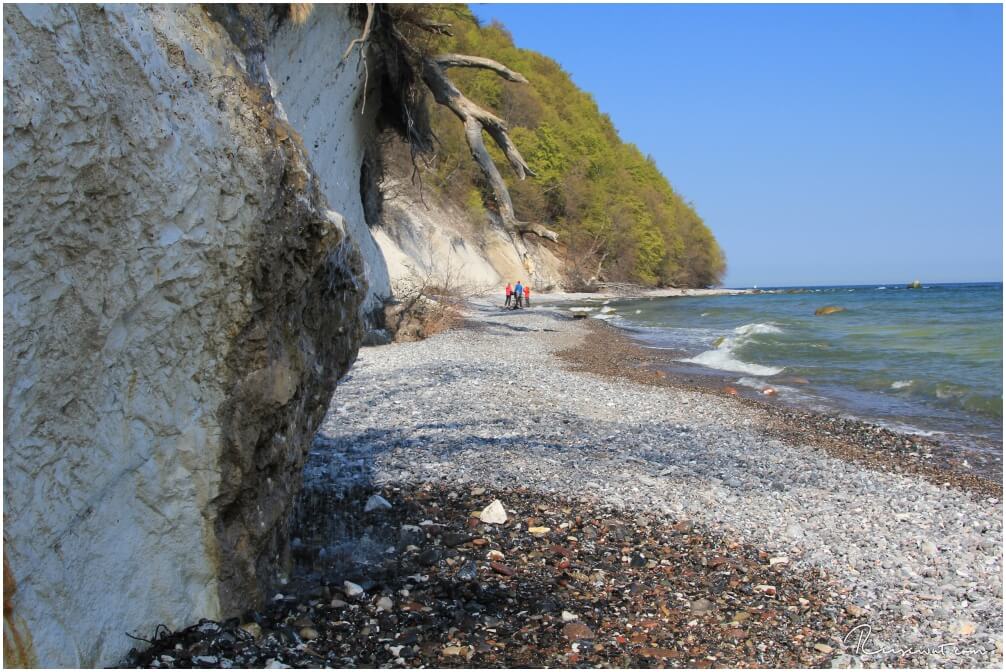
(821, 144)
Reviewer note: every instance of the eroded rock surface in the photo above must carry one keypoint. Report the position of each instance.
(178, 303)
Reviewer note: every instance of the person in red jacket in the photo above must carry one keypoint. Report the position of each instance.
(527, 296)
(509, 294)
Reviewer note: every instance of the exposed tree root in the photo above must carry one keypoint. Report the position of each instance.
(362, 41)
(477, 119)
(406, 64)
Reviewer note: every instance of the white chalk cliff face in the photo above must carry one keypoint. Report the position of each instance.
(431, 238)
(320, 94)
(182, 289)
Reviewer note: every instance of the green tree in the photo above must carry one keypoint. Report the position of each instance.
(607, 199)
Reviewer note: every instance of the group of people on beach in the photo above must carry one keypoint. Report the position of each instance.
(518, 296)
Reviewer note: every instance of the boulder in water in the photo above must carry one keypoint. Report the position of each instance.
(828, 310)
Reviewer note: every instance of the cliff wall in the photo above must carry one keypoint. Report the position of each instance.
(321, 96)
(181, 292)
(436, 239)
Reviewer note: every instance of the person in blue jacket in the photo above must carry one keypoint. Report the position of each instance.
(518, 295)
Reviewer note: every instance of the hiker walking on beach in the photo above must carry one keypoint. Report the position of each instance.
(527, 296)
(509, 294)
(518, 295)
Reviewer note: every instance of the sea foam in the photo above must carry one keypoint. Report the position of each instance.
(757, 328)
(725, 361)
(723, 358)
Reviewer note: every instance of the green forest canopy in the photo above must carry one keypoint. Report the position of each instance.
(609, 203)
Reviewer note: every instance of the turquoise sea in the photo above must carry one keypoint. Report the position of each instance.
(928, 360)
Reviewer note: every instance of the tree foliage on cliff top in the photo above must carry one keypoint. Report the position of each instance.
(613, 208)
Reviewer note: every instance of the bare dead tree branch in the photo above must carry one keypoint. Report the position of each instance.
(465, 61)
(475, 120)
(362, 40)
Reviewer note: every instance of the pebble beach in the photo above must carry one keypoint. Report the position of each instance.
(645, 523)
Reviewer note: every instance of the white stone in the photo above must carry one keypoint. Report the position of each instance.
(375, 503)
(568, 616)
(351, 589)
(494, 513)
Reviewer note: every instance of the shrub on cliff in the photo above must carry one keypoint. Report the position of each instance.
(609, 202)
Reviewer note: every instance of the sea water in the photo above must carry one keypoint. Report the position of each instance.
(927, 359)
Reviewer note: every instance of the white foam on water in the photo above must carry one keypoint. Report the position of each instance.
(723, 358)
(901, 384)
(882, 287)
(603, 316)
(638, 312)
(946, 393)
(901, 427)
(757, 328)
(725, 361)
(607, 309)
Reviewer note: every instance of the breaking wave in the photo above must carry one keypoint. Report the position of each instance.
(724, 358)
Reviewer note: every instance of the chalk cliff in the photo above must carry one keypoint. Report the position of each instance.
(432, 237)
(183, 286)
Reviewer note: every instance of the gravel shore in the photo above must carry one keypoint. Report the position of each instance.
(647, 525)
(607, 351)
(491, 405)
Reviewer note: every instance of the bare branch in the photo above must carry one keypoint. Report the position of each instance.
(465, 61)
(445, 93)
(475, 120)
(362, 39)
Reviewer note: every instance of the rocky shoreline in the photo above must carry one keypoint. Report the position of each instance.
(551, 582)
(647, 525)
(607, 351)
